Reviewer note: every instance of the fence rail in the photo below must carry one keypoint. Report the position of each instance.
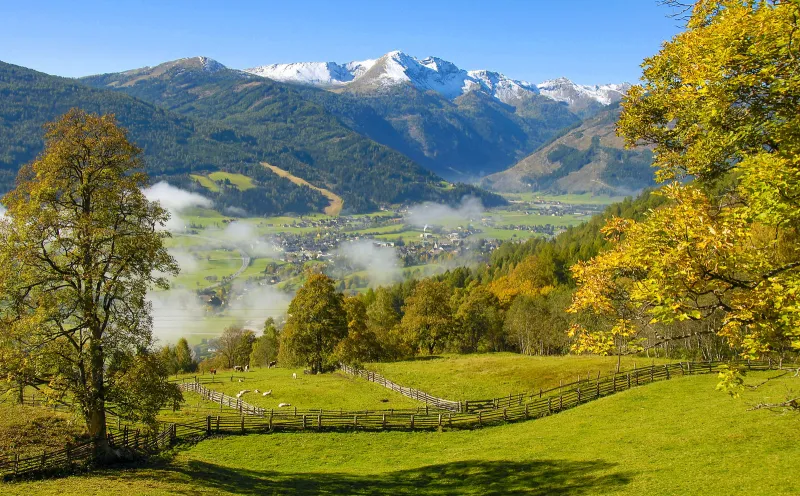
(441, 403)
(223, 399)
(82, 456)
(208, 379)
(251, 419)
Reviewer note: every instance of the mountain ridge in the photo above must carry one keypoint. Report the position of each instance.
(435, 74)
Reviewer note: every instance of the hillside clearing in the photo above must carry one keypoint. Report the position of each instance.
(482, 376)
(336, 204)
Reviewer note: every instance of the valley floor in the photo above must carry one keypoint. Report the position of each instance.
(673, 437)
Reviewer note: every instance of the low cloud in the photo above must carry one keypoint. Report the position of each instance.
(175, 200)
(254, 304)
(425, 214)
(246, 236)
(236, 211)
(175, 313)
(187, 260)
(2, 211)
(381, 262)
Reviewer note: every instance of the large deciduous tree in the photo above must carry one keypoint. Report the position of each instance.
(428, 319)
(317, 322)
(720, 105)
(234, 346)
(80, 248)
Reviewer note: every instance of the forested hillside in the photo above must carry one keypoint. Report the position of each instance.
(291, 131)
(587, 158)
(174, 145)
(519, 302)
(461, 139)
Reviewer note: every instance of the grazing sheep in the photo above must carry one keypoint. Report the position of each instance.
(266, 393)
(294, 375)
(241, 380)
(256, 391)
(284, 405)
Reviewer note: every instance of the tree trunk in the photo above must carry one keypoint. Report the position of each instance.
(96, 404)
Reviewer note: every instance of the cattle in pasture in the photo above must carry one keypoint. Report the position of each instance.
(272, 364)
(238, 368)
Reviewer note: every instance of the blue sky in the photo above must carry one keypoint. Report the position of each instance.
(588, 41)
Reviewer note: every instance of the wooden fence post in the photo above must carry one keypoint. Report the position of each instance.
(480, 417)
(629, 380)
(412, 420)
(666, 368)
(208, 425)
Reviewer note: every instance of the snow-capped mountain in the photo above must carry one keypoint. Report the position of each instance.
(435, 74)
(564, 90)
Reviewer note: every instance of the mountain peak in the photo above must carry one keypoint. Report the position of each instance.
(432, 73)
(192, 63)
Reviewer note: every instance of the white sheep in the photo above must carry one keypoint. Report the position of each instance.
(256, 391)
(283, 405)
(266, 393)
(294, 375)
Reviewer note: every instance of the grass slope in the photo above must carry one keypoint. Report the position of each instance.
(675, 437)
(336, 201)
(483, 376)
(326, 391)
(27, 430)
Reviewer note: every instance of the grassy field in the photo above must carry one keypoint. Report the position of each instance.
(676, 437)
(583, 199)
(326, 391)
(483, 376)
(219, 263)
(209, 182)
(517, 218)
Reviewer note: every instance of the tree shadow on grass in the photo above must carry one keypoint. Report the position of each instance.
(541, 477)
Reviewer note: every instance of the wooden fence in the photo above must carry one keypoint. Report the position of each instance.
(441, 403)
(638, 376)
(81, 456)
(252, 419)
(209, 379)
(221, 398)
